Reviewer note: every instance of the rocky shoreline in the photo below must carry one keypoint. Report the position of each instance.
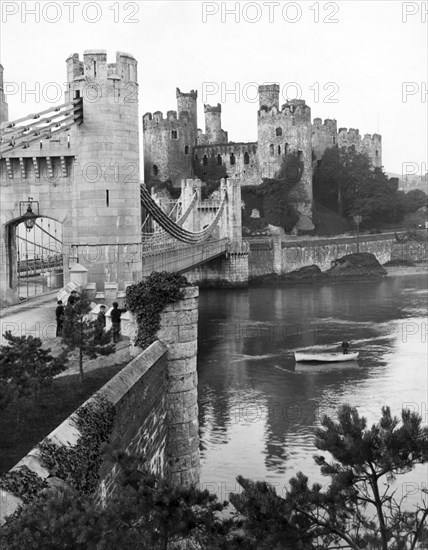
(352, 267)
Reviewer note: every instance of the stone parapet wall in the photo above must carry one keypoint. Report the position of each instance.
(138, 393)
(274, 256)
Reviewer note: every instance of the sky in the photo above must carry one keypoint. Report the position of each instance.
(362, 63)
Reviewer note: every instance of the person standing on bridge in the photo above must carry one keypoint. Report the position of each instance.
(59, 314)
(115, 321)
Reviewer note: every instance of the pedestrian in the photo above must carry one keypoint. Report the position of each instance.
(59, 314)
(73, 298)
(101, 317)
(115, 321)
(345, 347)
(100, 325)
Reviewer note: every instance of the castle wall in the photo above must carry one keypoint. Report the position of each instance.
(232, 159)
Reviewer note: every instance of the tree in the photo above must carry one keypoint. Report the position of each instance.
(345, 181)
(86, 336)
(146, 513)
(26, 368)
(413, 200)
(358, 509)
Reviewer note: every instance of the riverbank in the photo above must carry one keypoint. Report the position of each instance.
(399, 270)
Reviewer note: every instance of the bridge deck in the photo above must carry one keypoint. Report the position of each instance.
(180, 257)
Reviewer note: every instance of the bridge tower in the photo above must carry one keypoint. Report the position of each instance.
(85, 175)
(105, 199)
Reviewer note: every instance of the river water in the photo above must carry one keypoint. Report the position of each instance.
(257, 411)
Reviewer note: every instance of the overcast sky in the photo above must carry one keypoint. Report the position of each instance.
(363, 63)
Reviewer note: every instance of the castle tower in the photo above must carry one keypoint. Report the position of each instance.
(372, 147)
(168, 142)
(188, 102)
(324, 136)
(269, 95)
(213, 131)
(4, 110)
(281, 133)
(105, 191)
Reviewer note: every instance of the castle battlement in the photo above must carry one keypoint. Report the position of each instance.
(172, 120)
(329, 123)
(375, 138)
(293, 108)
(95, 67)
(212, 108)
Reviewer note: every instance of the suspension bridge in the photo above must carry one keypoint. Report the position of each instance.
(70, 174)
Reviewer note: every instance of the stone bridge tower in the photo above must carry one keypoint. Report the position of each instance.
(87, 178)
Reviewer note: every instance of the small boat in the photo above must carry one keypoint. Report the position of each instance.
(325, 357)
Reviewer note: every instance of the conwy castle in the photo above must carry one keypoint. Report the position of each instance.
(175, 148)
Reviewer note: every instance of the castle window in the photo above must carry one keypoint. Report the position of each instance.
(278, 131)
(205, 160)
(334, 141)
(272, 150)
(286, 149)
(219, 160)
(95, 68)
(300, 155)
(246, 158)
(377, 153)
(107, 198)
(186, 150)
(232, 159)
(155, 170)
(279, 149)
(174, 134)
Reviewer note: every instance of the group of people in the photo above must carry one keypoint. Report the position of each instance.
(116, 313)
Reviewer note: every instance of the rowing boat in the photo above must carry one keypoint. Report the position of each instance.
(326, 357)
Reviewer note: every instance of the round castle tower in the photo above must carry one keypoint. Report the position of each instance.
(213, 130)
(281, 132)
(169, 142)
(105, 194)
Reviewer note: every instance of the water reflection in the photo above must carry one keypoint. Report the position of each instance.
(258, 411)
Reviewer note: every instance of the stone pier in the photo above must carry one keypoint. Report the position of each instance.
(179, 332)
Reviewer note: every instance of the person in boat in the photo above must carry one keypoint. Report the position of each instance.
(345, 347)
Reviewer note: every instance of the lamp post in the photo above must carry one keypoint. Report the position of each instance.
(358, 219)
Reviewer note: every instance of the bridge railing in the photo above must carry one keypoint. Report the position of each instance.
(180, 257)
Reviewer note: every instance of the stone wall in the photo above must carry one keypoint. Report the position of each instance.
(228, 271)
(155, 399)
(138, 393)
(414, 251)
(268, 257)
